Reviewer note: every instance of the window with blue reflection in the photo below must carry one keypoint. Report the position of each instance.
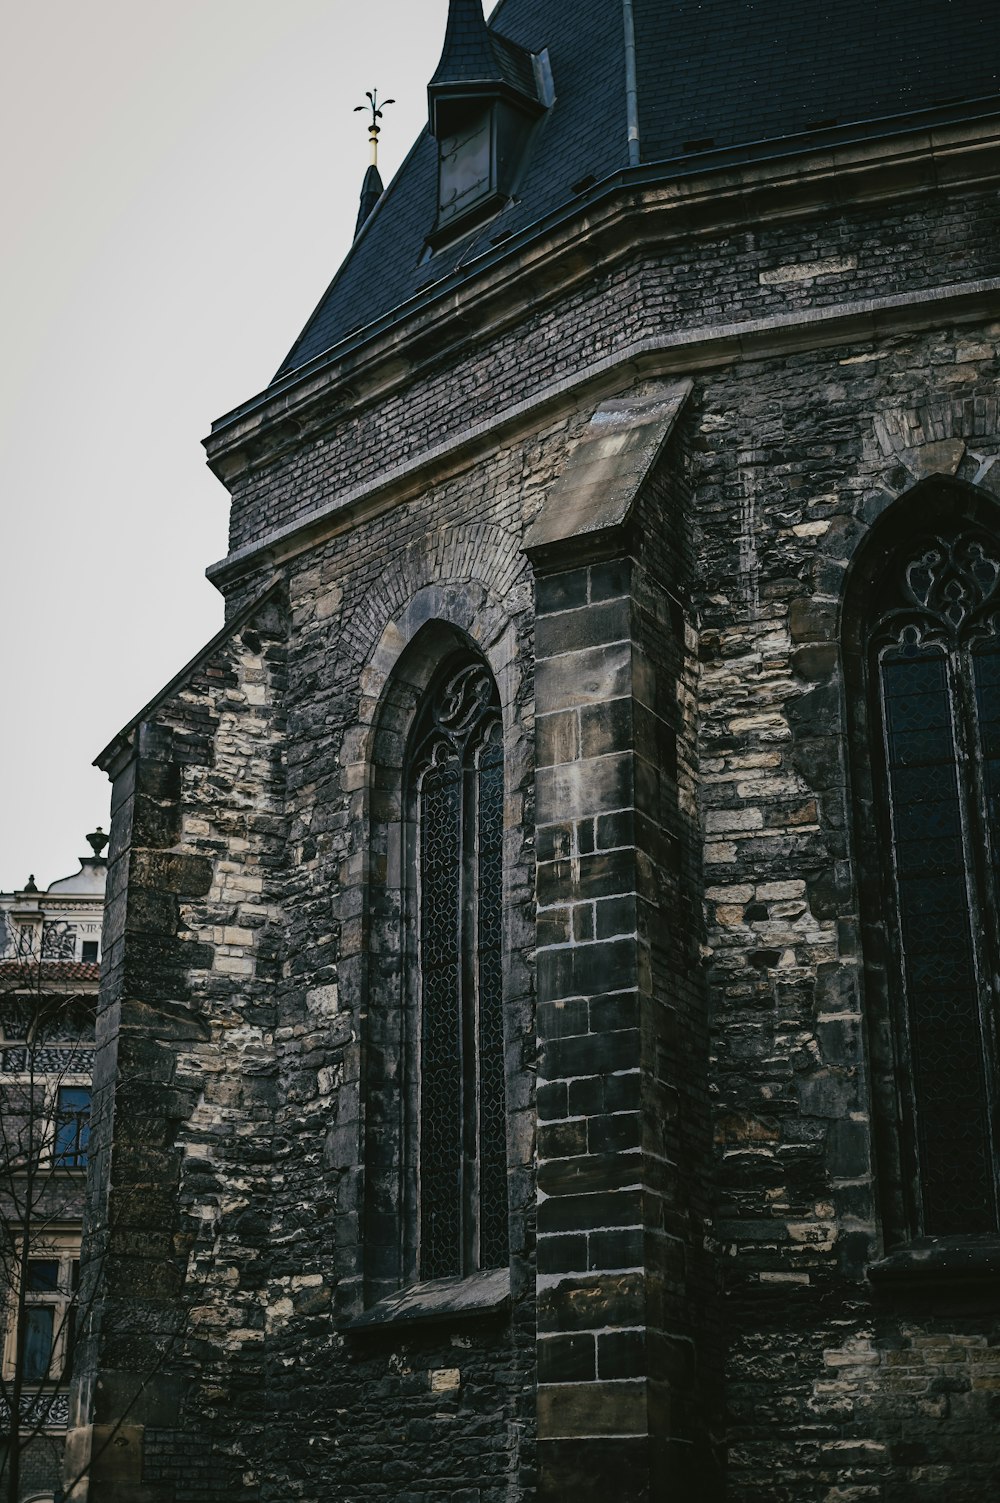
(72, 1128)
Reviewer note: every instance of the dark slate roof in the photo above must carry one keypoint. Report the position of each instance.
(580, 135)
(735, 71)
(515, 66)
(18, 975)
(468, 51)
(713, 75)
(473, 53)
(371, 192)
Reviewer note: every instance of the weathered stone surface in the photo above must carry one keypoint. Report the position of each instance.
(691, 1153)
(441, 1299)
(597, 489)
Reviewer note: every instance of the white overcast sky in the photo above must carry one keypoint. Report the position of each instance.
(179, 182)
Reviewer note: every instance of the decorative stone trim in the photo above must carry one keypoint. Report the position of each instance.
(659, 355)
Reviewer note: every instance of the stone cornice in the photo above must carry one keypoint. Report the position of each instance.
(668, 355)
(624, 216)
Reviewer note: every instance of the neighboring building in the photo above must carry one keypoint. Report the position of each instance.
(549, 1017)
(49, 973)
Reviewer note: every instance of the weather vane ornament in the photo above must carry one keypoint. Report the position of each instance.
(376, 113)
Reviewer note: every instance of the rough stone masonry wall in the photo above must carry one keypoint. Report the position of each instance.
(784, 453)
(269, 1162)
(685, 1355)
(284, 1402)
(445, 1413)
(173, 1356)
(833, 1395)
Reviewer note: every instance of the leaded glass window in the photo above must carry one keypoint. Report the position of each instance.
(934, 681)
(456, 781)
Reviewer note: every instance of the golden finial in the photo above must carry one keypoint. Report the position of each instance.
(376, 114)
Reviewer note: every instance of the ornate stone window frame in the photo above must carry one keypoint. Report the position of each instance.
(455, 1158)
(440, 621)
(878, 610)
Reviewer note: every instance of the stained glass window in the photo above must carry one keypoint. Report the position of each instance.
(935, 669)
(456, 771)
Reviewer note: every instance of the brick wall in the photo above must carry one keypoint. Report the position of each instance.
(769, 270)
(832, 1393)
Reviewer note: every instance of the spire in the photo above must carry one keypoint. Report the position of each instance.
(371, 188)
(371, 192)
(468, 55)
(477, 62)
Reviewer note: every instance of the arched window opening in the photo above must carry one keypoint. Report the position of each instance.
(455, 795)
(931, 661)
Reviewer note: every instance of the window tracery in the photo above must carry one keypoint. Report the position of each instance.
(455, 773)
(932, 654)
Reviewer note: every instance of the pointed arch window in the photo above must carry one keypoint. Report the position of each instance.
(457, 1116)
(931, 654)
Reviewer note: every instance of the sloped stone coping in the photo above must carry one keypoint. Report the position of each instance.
(478, 1294)
(940, 1261)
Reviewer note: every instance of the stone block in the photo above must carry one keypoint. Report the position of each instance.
(557, 1255)
(593, 625)
(592, 676)
(188, 876)
(594, 1471)
(562, 590)
(581, 970)
(621, 1354)
(606, 728)
(567, 1359)
(586, 1409)
(589, 1211)
(577, 789)
(594, 1174)
(557, 738)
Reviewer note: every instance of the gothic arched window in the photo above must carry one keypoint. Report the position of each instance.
(930, 654)
(457, 1157)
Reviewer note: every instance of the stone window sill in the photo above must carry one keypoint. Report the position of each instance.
(441, 1300)
(957, 1264)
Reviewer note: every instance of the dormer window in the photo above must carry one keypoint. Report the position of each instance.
(466, 173)
(485, 97)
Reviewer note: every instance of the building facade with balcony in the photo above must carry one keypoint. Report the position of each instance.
(49, 972)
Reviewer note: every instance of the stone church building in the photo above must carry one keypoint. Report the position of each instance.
(549, 1033)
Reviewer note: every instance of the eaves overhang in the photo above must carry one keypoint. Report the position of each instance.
(485, 89)
(930, 150)
(657, 356)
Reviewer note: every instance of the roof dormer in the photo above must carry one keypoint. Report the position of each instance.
(484, 98)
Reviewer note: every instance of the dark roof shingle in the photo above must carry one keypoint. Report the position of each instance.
(712, 74)
(17, 975)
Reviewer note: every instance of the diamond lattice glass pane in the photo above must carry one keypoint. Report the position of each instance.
(986, 672)
(463, 1155)
(441, 999)
(493, 1249)
(942, 987)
